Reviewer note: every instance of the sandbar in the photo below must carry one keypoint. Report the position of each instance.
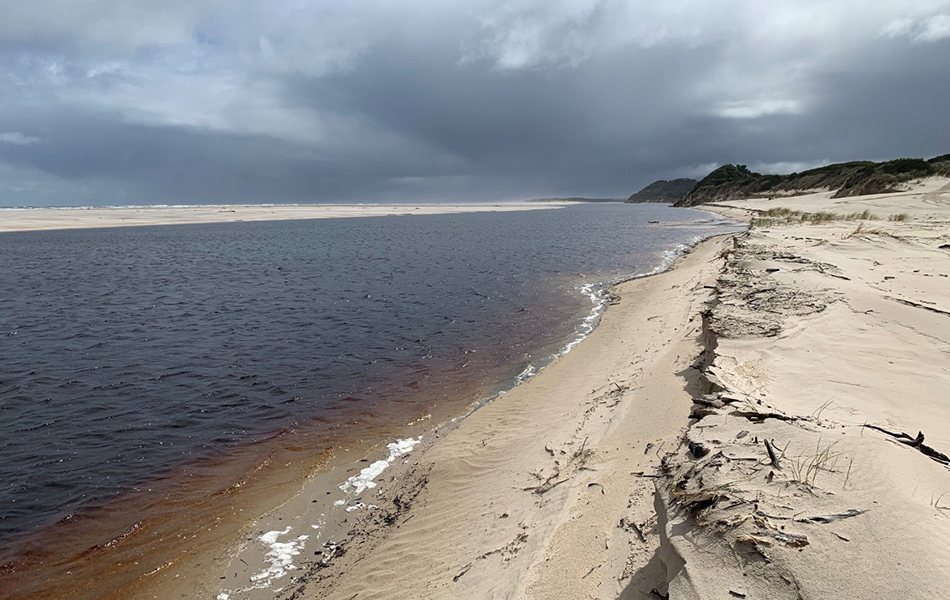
(36, 219)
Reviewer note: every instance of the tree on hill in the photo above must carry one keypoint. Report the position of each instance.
(664, 191)
(730, 182)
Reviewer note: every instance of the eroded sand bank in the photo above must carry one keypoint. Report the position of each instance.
(829, 341)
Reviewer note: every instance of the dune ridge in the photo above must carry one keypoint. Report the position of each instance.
(815, 464)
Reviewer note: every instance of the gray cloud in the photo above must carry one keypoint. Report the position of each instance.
(213, 101)
(17, 138)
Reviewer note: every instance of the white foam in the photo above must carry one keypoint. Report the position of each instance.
(363, 481)
(527, 374)
(280, 556)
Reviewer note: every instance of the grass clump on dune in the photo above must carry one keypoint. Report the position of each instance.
(786, 216)
(862, 216)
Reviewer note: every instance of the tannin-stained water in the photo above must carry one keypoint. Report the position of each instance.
(152, 375)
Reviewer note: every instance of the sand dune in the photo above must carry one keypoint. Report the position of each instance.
(822, 337)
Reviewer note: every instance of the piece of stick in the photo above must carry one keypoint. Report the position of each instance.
(914, 442)
(757, 417)
(772, 457)
(464, 570)
(832, 518)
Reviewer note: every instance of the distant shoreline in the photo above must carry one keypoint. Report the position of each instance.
(44, 219)
(572, 200)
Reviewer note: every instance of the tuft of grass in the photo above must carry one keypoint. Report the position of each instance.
(866, 215)
(781, 211)
(858, 232)
(900, 217)
(807, 468)
(822, 217)
(817, 414)
(861, 231)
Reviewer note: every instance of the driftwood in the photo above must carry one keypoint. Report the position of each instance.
(914, 442)
(631, 526)
(821, 269)
(772, 457)
(578, 460)
(757, 417)
(793, 540)
(832, 518)
(696, 449)
(710, 401)
(918, 305)
(700, 412)
(464, 570)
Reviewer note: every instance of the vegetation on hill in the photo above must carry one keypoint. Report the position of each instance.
(664, 191)
(730, 182)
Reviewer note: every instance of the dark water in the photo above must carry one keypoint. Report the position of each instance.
(126, 352)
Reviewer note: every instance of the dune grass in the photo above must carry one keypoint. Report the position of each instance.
(786, 216)
(806, 467)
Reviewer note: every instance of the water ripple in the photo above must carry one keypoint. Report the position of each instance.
(127, 352)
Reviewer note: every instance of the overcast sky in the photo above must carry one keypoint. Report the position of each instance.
(212, 101)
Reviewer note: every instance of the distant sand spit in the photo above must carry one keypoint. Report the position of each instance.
(33, 219)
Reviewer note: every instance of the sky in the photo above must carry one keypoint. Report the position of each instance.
(242, 101)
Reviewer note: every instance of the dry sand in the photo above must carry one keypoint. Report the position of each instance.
(636, 466)
(819, 332)
(32, 219)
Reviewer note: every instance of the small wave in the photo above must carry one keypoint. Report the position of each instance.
(526, 374)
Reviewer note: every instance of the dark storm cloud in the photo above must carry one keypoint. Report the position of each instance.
(212, 101)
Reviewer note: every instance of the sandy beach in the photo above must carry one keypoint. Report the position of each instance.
(34, 219)
(637, 465)
(277, 323)
(524, 496)
(764, 420)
